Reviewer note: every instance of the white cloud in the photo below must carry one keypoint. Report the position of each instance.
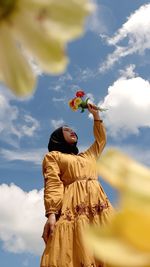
(91, 97)
(30, 127)
(74, 88)
(61, 82)
(140, 154)
(71, 83)
(65, 77)
(8, 113)
(57, 123)
(14, 124)
(128, 72)
(34, 155)
(137, 30)
(95, 22)
(101, 19)
(83, 75)
(55, 99)
(56, 87)
(22, 219)
(128, 102)
(35, 67)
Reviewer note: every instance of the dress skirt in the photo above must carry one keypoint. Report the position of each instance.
(84, 203)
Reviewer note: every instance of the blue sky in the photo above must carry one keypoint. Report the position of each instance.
(111, 64)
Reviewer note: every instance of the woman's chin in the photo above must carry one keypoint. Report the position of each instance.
(72, 141)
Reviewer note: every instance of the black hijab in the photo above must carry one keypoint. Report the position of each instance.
(57, 142)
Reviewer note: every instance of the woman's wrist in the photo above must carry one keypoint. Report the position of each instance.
(51, 215)
(99, 120)
(96, 117)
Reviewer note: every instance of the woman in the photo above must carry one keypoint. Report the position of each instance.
(73, 197)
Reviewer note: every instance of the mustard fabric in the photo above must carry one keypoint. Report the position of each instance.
(72, 190)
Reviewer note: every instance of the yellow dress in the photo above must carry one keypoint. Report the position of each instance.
(72, 191)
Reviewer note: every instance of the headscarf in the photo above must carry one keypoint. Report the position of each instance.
(57, 142)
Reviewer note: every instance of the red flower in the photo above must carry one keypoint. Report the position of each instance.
(72, 102)
(80, 93)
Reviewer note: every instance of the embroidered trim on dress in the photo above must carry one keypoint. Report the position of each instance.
(82, 265)
(92, 265)
(84, 209)
(68, 215)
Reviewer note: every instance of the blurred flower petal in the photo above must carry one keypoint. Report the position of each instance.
(48, 52)
(16, 72)
(111, 248)
(122, 171)
(67, 27)
(43, 28)
(134, 222)
(130, 228)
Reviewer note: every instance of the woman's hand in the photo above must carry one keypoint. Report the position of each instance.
(94, 111)
(49, 227)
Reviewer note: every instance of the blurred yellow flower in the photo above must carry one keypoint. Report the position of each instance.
(121, 171)
(77, 101)
(125, 241)
(74, 103)
(41, 28)
(110, 247)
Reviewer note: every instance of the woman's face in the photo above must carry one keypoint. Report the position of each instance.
(69, 135)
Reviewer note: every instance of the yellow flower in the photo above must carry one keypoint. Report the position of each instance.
(109, 246)
(126, 240)
(74, 103)
(120, 170)
(77, 101)
(75, 108)
(41, 28)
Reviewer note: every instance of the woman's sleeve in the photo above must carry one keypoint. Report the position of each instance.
(53, 186)
(100, 140)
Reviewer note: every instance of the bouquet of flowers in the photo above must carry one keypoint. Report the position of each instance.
(78, 102)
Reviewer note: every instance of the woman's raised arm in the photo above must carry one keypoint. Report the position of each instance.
(99, 131)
